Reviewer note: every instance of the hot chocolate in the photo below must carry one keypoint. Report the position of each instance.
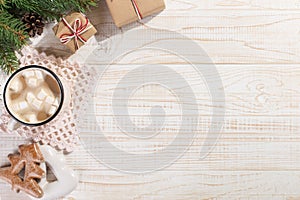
(33, 96)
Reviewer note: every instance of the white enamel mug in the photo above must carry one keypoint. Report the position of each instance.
(62, 102)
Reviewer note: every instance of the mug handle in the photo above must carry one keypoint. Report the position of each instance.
(13, 125)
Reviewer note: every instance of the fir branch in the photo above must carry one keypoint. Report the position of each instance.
(3, 4)
(52, 10)
(12, 30)
(12, 37)
(8, 60)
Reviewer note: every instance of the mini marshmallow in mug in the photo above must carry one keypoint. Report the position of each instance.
(34, 95)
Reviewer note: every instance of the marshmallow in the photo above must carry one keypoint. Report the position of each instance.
(33, 95)
(39, 75)
(50, 100)
(37, 104)
(16, 85)
(20, 106)
(56, 102)
(30, 97)
(23, 105)
(32, 82)
(28, 73)
(43, 93)
(31, 118)
(52, 110)
(51, 104)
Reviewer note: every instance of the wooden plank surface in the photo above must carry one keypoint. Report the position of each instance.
(255, 46)
(233, 4)
(228, 36)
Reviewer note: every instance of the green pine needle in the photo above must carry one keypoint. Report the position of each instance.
(52, 9)
(2, 4)
(12, 37)
(12, 30)
(8, 61)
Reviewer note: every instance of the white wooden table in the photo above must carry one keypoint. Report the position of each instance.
(255, 45)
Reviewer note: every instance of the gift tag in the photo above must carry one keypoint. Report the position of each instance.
(66, 179)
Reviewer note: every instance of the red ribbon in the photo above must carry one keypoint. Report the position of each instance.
(137, 9)
(77, 30)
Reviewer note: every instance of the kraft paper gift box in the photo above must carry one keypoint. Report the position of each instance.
(74, 30)
(126, 11)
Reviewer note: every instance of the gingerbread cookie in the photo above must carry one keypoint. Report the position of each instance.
(66, 179)
(28, 159)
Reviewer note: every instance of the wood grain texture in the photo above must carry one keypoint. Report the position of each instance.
(233, 4)
(228, 36)
(255, 46)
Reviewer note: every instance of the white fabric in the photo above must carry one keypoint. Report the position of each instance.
(60, 133)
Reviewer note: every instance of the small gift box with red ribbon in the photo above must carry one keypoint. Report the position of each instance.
(74, 30)
(127, 11)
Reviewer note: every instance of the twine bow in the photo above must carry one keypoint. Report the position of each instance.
(77, 30)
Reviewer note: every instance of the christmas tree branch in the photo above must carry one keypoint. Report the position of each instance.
(8, 59)
(12, 37)
(52, 9)
(12, 30)
(2, 3)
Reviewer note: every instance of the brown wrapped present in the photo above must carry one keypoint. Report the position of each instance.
(127, 11)
(74, 30)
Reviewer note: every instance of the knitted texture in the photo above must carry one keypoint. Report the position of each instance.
(60, 133)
